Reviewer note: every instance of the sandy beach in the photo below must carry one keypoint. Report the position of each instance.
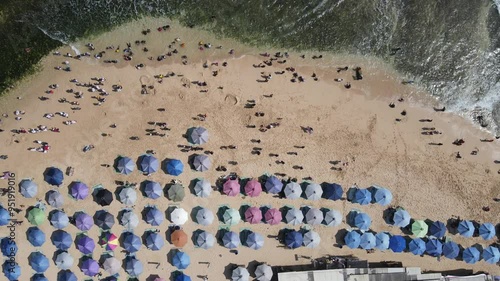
(357, 139)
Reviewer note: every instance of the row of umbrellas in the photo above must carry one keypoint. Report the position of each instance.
(263, 272)
(149, 164)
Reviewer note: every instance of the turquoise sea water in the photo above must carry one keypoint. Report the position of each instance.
(451, 48)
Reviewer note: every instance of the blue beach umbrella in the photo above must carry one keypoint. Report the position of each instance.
(363, 197)
(401, 218)
(66, 275)
(61, 239)
(154, 216)
(451, 250)
(231, 240)
(153, 189)
(182, 277)
(175, 167)
(382, 241)
(59, 219)
(367, 241)
(181, 260)
(437, 229)
(471, 255)
(397, 243)
(487, 231)
(35, 236)
(39, 277)
(125, 165)
(133, 266)
(53, 176)
(417, 246)
(148, 164)
(254, 241)
(28, 188)
(352, 239)
(39, 262)
(9, 247)
(362, 221)
(382, 196)
(11, 270)
(4, 216)
(434, 248)
(466, 228)
(333, 191)
(293, 239)
(131, 242)
(154, 241)
(491, 255)
(273, 185)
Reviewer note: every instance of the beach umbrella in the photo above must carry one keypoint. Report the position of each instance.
(205, 240)
(103, 197)
(333, 218)
(28, 188)
(231, 187)
(253, 188)
(85, 244)
(437, 229)
(491, 255)
(367, 241)
(176, 193)
(11, 270)
(179, 216)
(61, 239)
(111, 265)
(419, 228)
(36, 216)
(4, 216)
(254, 241)
(131, 242)
(35, 236)
(66, 275)
(273, 216)
(417, 246)
(59, 219)
(181, 260)
(382, 196)
(128, 196)
(263, 272)
(89, 267)
(451, 250)
(204, 216)
(39, 262)
(38, 277)
(397, 243)
(109, 241)
(175, 167)
(253, 215)
(333, 191)
(293, 239)
(104, 220)
(294, 216)
(314, 216)
(125, 165)
(230, 240)
(148, 164)
(179, 238)
(273, 185)
(292, 190)
(8, 246)
(382, 241)
(231, 216)
(153, 190)
(53, 176)
(182, 277)
(363, 197)
(240, 274)
(202, 188)
(64, 260)
(487, 231)
(129, 219)
(466, 228)
(313, 191)
(54, 198)
(471, 255)
(154, 241)
(352, 239)
(197, 135)
(79, 190)
(362, 221)
(401, 218)
(311, 239)
(83, 221)
(201, 163)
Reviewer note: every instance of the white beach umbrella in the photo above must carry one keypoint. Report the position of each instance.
(111, 265)
(129, 220)
(64, 261)
(128, 196)
(333, 218)
(240, 274)
(264, 272)
(204, 216)
(314, 216)
(293, 190)
(311, 239)
(294, 217)
(313, 191)
(203, 188)
(179, 216)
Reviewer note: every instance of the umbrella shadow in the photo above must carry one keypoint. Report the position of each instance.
(164, 164)
(138, 162)
(339, 238)
(324, 210)
(166, 189)
(452, 225)
(388, 215)
(57, 253)
(243, 208)
(191, 161)
(220, 213)
(351, 193)
(192, 184)
(476, 228)
(429, 222)
(195, 211)
(219, 235)
(103, 257)
(303, 186)
(115, 163)
(407, 229)
(194, 236)
(252, 266)
(117, 192)
(228, 270)
(169, 211)
(142, 187)
(372, 189)
(152, 277)
(283, 211)
(244, 236)
(349, 218)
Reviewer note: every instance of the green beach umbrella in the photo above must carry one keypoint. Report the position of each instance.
(231, 216)
(419, 228)
(36, 216)
(176, 193)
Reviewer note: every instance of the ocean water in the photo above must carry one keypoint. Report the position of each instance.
(449, 48)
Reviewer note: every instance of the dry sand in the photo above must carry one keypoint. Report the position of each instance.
(351, 125)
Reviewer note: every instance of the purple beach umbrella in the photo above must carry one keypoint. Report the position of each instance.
(79, 190)
(90, 267)
(85, 244)
(83, 221)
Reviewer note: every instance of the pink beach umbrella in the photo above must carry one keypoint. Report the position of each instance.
(231, 187)
(253, 215)
(273, 216)
(253, 188)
